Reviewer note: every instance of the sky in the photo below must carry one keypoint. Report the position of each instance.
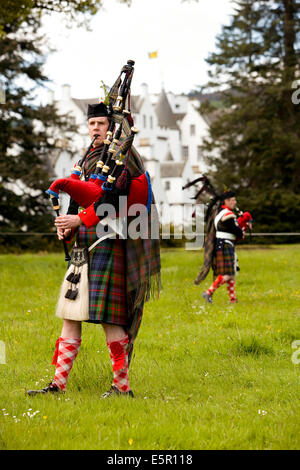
(183, 34)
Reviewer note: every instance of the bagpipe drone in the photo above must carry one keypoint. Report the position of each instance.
(111, 168)
(244, 218)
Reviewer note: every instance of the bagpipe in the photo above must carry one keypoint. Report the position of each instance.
(244, 218)
(111, 168)
(212, 210)
(109, 177)
(206, 187)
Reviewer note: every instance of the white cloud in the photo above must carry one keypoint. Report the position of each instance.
(183, 34)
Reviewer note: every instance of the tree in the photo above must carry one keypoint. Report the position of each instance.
(27, 128)
(26, 136)
(15, 12)
(256, 133)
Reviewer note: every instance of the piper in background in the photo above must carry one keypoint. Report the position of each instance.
(122, 272)
(227, 231)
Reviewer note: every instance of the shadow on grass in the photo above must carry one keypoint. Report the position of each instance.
(253, 347)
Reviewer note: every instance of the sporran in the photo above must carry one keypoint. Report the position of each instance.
(73, 302)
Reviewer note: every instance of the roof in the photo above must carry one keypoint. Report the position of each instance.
(171, 169)
(179, 116)
(165, 115)
(136, 103)
(209, 118)
(169, 157)
(83, 104)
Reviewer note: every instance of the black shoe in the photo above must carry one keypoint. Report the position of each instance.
(114, 391)
(207, 297)
(51, 388)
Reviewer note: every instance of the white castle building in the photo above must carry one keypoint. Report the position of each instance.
(171, 131)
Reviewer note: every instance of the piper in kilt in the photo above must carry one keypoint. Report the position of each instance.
(227, 231)
(122, 272)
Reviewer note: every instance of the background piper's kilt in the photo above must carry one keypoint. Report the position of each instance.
(107, 284)
(224, 260)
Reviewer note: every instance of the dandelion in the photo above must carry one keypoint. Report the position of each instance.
(44, 417)
(130, 442)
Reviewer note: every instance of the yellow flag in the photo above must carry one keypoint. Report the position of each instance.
(153, 55)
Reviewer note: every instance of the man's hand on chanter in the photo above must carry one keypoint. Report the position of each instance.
(64, 224)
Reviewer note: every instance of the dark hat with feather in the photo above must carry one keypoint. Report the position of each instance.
(227, 195)
(97, 110)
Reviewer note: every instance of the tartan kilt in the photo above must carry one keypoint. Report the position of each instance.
(107, 284)
(224, 261)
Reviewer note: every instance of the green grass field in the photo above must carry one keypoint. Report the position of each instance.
(215, 376)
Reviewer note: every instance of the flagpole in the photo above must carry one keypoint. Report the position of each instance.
(154, 55)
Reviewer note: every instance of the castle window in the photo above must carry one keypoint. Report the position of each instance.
(185, 152)
(199, 153)
(192, 129)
